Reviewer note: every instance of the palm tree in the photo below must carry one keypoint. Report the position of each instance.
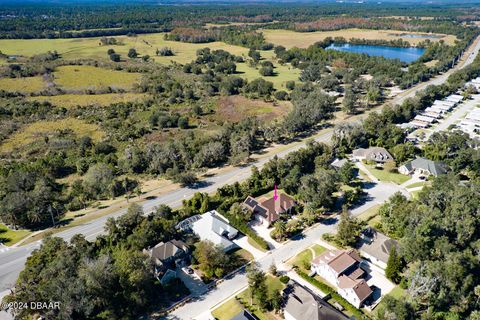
(280, 229)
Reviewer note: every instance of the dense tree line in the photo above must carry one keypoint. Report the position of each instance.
(439, 241)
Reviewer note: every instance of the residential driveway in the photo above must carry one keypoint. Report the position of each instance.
(378, 279)
(243, 243)
(264, 232)
(192, 282)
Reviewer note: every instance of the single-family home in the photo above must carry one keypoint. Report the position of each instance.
(423, 166)
(302, 304)
(214, 227)
(337, 164)
(268, 211)
(376, 247)
(377, 154)
(169, 254)
(342, 269)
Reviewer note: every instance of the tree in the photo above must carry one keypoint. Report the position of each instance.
(373, 94)
(115, 57)
(97, 181)
(280, 231)
(165, 52)
(390, 166)
(212, 259)
(273, 269)
(349, 103)
(347, 173)
(255, 55)
(348, 229)
(276, 300)
(257, 285)
(394, 266)
(132, 53)
(266, 71)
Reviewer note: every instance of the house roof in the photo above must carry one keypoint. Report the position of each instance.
(270, 209)
(434, 167)
(339, 163)
(338, 260)
(303, 304)
(359, 287)
(374, 153)
(163, 251)
(377, 245)
(244, 315)
(214, 227)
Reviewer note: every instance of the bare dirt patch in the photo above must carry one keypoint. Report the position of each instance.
(237, 108)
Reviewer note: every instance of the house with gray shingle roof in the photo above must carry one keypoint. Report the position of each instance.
(302, 304)
(423, 166)
(377, 154)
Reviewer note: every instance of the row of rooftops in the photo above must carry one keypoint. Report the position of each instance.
(471, 123)
(434, 112)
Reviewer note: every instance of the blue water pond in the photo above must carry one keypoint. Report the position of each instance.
(403, 54)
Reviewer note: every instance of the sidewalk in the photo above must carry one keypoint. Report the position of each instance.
(365, 170)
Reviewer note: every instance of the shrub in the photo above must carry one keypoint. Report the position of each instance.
(281, 95)
(284, 279)
(165, 52)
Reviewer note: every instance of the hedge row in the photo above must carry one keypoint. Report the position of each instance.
(329, 290)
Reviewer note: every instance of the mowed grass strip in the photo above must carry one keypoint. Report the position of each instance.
(23, 85)
(38, 130)
(88, 77)
(10, 237)
(290, 39)
(73, 100)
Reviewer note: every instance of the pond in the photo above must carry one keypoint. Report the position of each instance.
(403, 54)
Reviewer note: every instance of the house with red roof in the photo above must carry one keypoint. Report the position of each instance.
(267, 211)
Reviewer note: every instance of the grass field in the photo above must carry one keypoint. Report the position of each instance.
(305, 257)
(10, 237)
(384, 175)
(290, 39)
(38, 130)
(72, 100)
(23, 85)
(273, 284)
(283, 73)
(237, 108)
(91, 48)
(88, 77)
(227, 310)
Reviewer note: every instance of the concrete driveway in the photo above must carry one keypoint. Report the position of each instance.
(243, 243)
(264, 232)
(193, 282)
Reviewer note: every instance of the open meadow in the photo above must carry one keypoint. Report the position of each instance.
(88, 77)
(39, 131)
(23, 85)
(73, 100)
(290, 39)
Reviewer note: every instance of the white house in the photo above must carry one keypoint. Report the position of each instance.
(211, 226)
(342, 269)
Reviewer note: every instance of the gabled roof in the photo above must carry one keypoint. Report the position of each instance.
(244, 315)
(434, 167)
(270, 209)
(214, 227)
(302, 304)
(359, 287)
(338, 260)
(164, 251)
(374, 153)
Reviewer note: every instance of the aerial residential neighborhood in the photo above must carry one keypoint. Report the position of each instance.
(218, 160)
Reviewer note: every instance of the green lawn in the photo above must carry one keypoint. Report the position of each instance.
(304, 258)
(255, 244)
(273, 284)
(227, 310)
(396, 293)
(10, 237)
(417, 184)
(369, 214)
(244, 254)
(384, 175)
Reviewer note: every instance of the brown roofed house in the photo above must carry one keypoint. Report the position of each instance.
(342, 268)
(268, 211)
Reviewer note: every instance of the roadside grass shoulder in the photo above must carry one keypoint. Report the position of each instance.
(227, 310)
(10, 237)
